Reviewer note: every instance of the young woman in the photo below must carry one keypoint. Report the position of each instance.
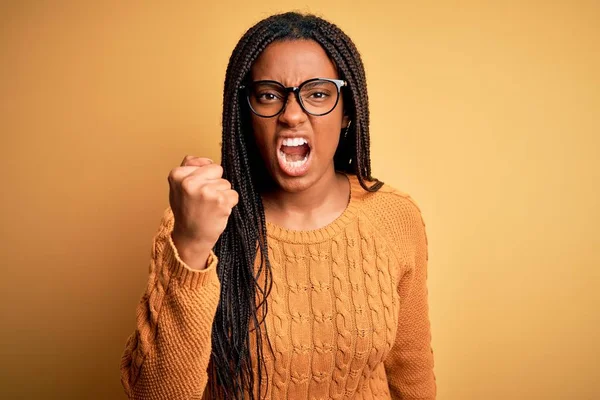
(288, 271)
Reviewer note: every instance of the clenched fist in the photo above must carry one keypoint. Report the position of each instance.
(201, 202)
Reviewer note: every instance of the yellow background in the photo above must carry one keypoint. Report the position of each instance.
(485, 112)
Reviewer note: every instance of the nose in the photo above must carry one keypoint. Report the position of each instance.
(293, 114)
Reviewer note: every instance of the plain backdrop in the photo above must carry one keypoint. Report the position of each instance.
(487, 113)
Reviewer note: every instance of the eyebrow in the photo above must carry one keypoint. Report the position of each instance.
(316, 83)
(308, 84)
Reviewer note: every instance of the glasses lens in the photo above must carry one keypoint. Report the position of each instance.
(319, 97)
(266, 99)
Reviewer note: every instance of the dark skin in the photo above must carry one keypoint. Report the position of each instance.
(317, 198)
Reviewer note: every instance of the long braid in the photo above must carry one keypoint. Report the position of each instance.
(344, 53)
(243, 302)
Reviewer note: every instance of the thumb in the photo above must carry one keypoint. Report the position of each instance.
(189, 161)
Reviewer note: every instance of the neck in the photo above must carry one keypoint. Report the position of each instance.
(310, 209)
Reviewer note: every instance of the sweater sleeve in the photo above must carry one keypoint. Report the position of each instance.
(168, 354)
(409, 365)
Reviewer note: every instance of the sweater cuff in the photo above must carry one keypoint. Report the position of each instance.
(192, 278)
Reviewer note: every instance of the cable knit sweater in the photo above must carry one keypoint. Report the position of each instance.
(348, 312)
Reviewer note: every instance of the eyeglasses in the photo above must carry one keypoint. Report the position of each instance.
(318, 96)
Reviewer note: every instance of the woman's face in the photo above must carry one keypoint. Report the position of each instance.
(294, 167)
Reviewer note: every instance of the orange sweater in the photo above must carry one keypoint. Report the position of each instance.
(348, 313)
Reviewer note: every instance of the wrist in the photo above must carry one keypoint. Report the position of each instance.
(194, 253)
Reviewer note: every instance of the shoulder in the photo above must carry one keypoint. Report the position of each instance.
(395, 215)
(388, 201)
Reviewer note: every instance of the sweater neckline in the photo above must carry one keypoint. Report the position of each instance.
(324, 233)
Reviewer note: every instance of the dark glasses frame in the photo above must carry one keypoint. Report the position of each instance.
(339, 83)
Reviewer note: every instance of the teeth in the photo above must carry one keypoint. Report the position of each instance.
(292, 142)
(293, 164)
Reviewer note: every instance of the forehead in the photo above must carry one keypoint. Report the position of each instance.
(292, 62)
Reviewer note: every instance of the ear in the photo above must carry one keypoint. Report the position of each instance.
(345, 121)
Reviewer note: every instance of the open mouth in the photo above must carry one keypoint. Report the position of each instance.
(294, 156)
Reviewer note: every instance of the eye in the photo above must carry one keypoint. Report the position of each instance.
(319, 95)
(267, 97)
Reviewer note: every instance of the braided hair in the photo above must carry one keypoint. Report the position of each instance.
(244, 290)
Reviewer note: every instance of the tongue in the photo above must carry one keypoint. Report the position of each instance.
(295, 153)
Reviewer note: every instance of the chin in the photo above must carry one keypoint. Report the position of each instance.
(302, 183)
(296, 184)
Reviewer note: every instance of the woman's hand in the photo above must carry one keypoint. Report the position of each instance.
(201, 202)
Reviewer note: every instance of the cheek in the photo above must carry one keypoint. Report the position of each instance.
(327, 135)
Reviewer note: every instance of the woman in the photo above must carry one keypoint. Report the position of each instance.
(287, 272)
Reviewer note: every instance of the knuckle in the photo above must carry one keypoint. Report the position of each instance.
(218, 168)
(187, 185)
(172, 177)
(226, 184)
(205, 192)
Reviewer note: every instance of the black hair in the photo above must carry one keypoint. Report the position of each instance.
(244, 290)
